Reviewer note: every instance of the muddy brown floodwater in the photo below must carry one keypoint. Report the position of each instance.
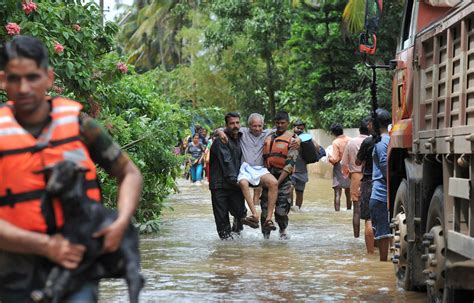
(321, 261)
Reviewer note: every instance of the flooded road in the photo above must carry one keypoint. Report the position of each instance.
(321, 261)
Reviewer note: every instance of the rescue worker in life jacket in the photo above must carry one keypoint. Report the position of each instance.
(37, 131)
(280, 158)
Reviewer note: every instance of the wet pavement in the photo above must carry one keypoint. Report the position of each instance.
(321, 261)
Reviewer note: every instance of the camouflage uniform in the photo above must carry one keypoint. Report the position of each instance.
(283, 203)
(19, 274)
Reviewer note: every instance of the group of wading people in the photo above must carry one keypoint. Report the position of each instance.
(242, 158)
(359, 168)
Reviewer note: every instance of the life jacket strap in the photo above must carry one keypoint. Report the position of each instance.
(38, 147)
(279, 155)
(11, 199)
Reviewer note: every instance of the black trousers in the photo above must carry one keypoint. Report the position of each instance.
(225, 201)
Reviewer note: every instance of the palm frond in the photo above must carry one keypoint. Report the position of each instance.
(353, 16)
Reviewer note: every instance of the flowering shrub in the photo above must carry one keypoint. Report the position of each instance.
(29, 7)
(58, 48)
(122, 67)
(13, 29)
(63, 25)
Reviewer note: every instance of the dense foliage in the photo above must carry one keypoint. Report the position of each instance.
(262, 28)
(131, 106)
(146, 126)
(73, 34)
(262, 56)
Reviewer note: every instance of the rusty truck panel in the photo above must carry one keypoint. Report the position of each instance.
(444, 127)
(444, 106)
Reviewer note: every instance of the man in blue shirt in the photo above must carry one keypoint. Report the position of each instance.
(378, 198)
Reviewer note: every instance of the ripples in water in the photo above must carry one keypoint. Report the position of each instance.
(320, 262)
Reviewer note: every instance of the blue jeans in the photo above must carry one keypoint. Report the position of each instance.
(379, 216)
(196, 172)
(88, 293)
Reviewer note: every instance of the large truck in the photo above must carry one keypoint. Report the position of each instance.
(431, 152)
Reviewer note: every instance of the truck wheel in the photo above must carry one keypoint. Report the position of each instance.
(434, 247)
(400, 249)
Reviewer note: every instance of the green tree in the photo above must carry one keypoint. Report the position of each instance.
(262, 29)
(149, 33)
(146, 126)
(320, 62)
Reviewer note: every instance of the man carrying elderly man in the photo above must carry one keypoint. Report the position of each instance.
(254, 171)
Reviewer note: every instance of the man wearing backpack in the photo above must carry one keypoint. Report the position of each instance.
(308, 153)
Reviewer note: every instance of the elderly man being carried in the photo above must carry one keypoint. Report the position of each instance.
(253, 172)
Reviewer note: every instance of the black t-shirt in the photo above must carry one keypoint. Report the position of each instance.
(365, 155)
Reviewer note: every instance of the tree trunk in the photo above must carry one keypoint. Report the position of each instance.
(330, 61)
(160, 48)
(270, 89)
(101, 5)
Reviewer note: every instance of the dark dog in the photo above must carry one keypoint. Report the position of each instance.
(82, 218)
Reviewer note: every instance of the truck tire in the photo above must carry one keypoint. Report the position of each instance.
(401, 255)
(434, 248)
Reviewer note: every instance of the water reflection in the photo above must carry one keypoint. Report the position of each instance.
(321, 262)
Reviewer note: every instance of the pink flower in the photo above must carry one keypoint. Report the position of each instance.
(29, 7)
(57, 89)
(77, 27)
(13, 29)
(58, 48)
(122, 67)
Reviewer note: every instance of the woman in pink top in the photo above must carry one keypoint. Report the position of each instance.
(339, 181)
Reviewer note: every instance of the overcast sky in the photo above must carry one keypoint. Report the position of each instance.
(110, 7)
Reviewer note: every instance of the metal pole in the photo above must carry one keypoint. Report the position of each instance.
(373, 94)
(375, 105)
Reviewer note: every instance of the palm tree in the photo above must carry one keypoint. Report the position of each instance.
(354, 15)
(149, 34)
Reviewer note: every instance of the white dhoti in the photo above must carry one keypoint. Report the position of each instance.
(251, 173)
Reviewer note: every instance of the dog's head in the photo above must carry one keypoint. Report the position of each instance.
(63, 176)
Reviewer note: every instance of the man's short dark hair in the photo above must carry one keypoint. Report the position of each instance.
(299, 122)
(336, 129)
(231, 115)
(383, 117)
(364, 126)
(282, 115)
(24, 47)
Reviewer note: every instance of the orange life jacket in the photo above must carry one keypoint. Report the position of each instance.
(275, 150)
(21, 155)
